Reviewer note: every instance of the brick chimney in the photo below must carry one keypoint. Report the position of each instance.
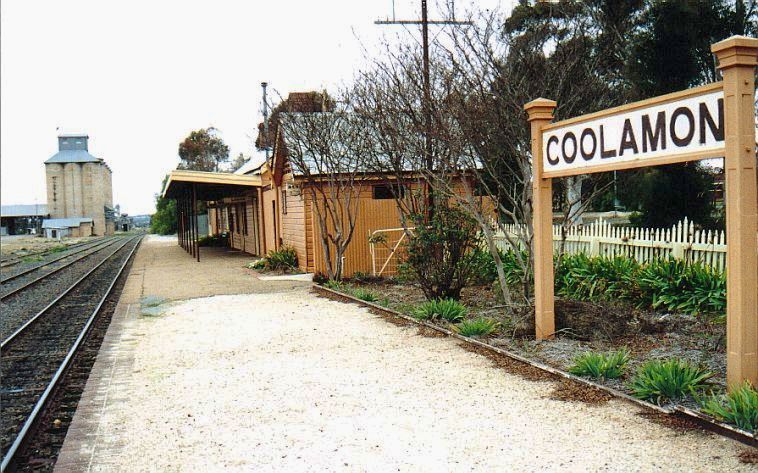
(305, 102)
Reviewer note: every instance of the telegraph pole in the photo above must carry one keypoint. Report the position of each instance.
(265, 119)
(427, 110)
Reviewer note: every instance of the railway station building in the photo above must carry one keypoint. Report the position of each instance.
(265, 206)
(79, 185)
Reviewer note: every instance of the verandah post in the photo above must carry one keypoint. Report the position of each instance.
(540, 113)
(737, 57)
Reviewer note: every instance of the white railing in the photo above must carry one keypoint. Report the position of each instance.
(681, 241)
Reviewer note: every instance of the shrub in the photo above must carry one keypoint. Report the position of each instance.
(669, 284)
(436, 251)
(334, 285)
(283, 259)
(446, 309)
(479, 327)
(601, 365)
(365, 295)
(214, 240)
(320, 278)
(739, 407)
(482, 266)
(663, 381)
(680, 286)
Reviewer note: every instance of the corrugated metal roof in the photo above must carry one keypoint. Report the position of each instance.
(252, 164)
(23, 210)
(73, 156)
(64, 222)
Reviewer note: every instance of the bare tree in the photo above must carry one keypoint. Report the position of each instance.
(328, 150)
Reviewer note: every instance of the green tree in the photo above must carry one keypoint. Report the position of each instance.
(238, 162)
(163, 221)
(203, 150)
(670, 51)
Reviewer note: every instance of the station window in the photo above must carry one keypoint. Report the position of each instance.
(388, 191)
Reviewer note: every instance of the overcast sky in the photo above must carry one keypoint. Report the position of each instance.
(138, 76)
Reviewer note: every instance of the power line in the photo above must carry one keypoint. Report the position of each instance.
(425, 22)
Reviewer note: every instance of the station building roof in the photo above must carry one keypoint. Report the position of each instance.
(209, 185)
(65, 222)
(24, 210)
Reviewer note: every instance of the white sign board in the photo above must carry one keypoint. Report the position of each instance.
(687, 126)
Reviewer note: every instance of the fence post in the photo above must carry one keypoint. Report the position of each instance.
(737, 57)
(540, 113)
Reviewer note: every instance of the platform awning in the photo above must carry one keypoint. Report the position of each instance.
(209, 185)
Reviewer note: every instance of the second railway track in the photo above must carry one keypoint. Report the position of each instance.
(36, 355)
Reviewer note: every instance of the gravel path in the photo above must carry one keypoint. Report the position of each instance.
(292, 382)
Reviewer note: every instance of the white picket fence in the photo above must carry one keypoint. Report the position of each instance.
(681, 241)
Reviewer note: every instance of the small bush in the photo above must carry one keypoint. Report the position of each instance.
(446, 309)
(365, 295)
(436, 252)
(663, 381)
(601, 365)
(283, 259)
(334, 285)
(479, 327)
(739, 407)
(214, 240)
(320, 278)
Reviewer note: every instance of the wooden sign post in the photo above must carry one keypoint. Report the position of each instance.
(705, 122)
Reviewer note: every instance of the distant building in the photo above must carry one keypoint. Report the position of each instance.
(79, 185)
(22, 219)
(67, 227)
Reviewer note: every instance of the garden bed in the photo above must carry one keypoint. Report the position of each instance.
(582, 327)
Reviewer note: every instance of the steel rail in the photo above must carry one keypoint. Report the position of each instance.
(56, 270)
(48, 263)
(40, 404)
(61, 296)
(13, 260)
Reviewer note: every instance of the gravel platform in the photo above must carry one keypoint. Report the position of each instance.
(292, 382)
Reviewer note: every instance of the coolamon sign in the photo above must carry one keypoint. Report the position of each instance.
(705, 122)
(636, 137)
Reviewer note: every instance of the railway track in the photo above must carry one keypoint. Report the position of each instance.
(34, 274)
(35, 357)
(14, 260)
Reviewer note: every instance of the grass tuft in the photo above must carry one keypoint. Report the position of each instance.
(739, 407)
(446, 309)
(601, 365)
(479, 327)
(663, 381)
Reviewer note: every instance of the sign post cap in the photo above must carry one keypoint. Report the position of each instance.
(736, 51)
(540, 108)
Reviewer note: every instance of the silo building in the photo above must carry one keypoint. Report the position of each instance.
(79, 186)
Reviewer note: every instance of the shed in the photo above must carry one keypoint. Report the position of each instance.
(22, 219)
(67, 227)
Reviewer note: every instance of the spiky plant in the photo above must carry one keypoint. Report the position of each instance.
(663, 381)
(601, 365)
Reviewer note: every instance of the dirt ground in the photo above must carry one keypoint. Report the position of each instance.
(23, 245)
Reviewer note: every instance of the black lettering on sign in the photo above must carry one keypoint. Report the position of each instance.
(569, 158)
(685, 112)
(605, 153)
(654, 137)
(587, 155)
(553, 140)
(705, 116)
(628, 141)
